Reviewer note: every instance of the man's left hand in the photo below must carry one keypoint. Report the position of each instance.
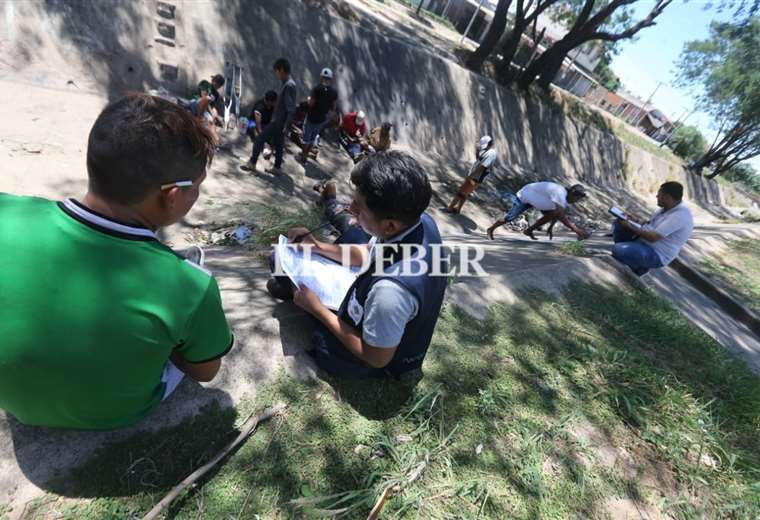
(307, 300)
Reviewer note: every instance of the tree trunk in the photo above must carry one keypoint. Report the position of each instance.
(508, 51)
(492, 37)
(697, 165)
(419, 7)
(551, 59)
(550, 71)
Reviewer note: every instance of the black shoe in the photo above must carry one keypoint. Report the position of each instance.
(248, 167)
(280, 290)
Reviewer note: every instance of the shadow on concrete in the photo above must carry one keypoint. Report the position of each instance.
(57, 460)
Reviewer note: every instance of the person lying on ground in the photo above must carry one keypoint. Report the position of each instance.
(648, 245)
(485, 158)
(386, 321)
(106, 320)
(322, 101)
(353, 132)
(282, 118)
(551, 199)
(380, 138)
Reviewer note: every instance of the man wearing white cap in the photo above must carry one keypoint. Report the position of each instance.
(485, 155)
(353, 130)
(322, 100)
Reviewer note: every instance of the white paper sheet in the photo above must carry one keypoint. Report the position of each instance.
(619, 213)
(329, 280)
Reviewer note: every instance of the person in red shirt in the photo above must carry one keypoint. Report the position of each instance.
(353, 131)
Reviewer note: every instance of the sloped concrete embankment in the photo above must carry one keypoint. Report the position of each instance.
(436, 105)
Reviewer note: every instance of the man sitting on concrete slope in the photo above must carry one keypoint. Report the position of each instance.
(551, 199)
(657, 242)
(101, 320)
(386, 320)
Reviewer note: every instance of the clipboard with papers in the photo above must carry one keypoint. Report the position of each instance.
(622, 215)
(329, 280)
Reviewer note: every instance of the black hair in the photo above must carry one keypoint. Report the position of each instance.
(577, 189)
(283, 65)
(270, 95)
(219, 79)
(139, 143)
(674, 189)
(394, 186)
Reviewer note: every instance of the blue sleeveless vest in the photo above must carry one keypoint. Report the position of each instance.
(333, 357)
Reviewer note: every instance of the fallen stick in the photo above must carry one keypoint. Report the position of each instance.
(389, 491)
(246, 430)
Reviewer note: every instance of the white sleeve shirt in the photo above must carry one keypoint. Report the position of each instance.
(389, 308)
(675, 227)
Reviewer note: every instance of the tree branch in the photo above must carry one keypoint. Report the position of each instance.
(645, 22)
(585, 13)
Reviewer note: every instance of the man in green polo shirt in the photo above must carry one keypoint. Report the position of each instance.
(99, 321)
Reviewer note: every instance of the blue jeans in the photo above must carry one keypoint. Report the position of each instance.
(517, 207)
(310, 132)
(631, 251)
(354, 149)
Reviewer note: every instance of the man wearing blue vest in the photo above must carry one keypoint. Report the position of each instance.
(387, 318)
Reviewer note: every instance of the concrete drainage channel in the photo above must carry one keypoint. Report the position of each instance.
(730, 305)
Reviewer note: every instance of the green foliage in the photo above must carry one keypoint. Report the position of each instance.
(746, 175)
(574, 248)
(607, 78)
(688, 142)
(725, 70)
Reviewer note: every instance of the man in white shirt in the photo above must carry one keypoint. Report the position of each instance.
(550, 198)
(657, 242)
(485, 155)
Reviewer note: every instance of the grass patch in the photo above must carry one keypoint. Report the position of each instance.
(547, 409)
(738, 268)
(574, 248)
(273, 221)
(632, 138)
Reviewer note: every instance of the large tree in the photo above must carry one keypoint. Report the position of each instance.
(605, 20)
(492, 36)
(725, 70)
(526, 13)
